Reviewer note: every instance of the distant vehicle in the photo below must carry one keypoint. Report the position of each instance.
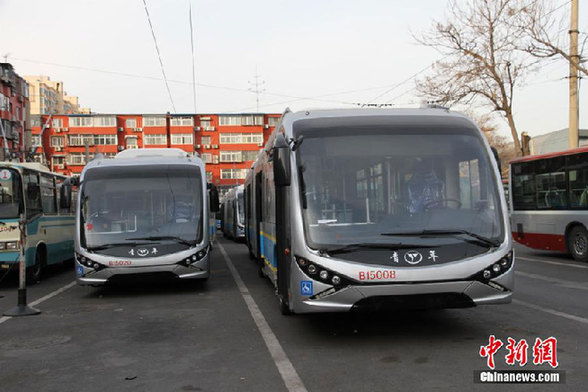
(233, 214)
(145, 211)
(378, 209)
(549, 201)
(32, 189)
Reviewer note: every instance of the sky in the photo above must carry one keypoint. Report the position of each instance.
(305, 53)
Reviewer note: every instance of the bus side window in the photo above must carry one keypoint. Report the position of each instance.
(48, 194)
(32, 194)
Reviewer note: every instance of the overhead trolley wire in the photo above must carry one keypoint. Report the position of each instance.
(193, 60)
(159, 56)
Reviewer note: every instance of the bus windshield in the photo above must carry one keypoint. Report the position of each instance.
(414, 187)
(10, 194)
(133, 205)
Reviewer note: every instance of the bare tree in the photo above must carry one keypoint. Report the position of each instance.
(546, 32)
(481, 62)
(506, 150)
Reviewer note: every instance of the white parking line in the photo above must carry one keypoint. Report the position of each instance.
(551, 262)
(43, 299)
(563, 283)
(552, 311)
(285, 367)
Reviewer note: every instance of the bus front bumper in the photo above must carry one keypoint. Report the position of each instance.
(439, 295)
(88, 276)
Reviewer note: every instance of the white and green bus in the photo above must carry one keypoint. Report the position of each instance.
(32, 190)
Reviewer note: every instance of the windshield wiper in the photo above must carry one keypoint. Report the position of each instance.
(115, 244)
(368, 245)
(159, 238)
(485, 240)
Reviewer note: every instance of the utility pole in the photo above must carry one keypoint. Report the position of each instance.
(257, 87)
(574, 104)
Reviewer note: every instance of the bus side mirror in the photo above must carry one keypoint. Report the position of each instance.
(281, 161)
(497, 158)
(213, 197)
(65, 197)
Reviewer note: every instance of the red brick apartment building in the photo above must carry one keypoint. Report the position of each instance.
(228, 143)
(14, 113)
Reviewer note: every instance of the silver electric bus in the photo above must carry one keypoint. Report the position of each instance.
(233, 214)
(145, 211)
(379, 209)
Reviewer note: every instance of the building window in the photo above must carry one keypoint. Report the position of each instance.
(273, 121)
(233, 174)
(205, 123)
(132, 142)
(57, 123)
(241, 138)
(105, 139)
(245, 119)
(207, 158)
(78, 158)
(230, 156)
(154, 139)
(131, 123)
(152, 121)
(57, 141)
(182, 138)
(80, 121)
(81, 140)
(208, 176)
(249, 155)
(57, 161)
(206, 140)
(182, 122)
(104, 121)
(36, 140)
(229, 120)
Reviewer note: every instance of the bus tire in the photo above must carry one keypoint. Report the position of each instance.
(35, 272)
(284, 307)
(578, 243)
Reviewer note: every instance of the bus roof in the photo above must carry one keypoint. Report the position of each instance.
(549, 155)
(30, 165)
(140, 157)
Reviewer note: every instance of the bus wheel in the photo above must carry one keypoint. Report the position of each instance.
(35, 272)
(284, 308)
(578, 243)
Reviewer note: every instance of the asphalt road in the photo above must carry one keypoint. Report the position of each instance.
(218, 336)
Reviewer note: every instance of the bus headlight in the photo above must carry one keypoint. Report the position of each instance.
(195, 257)
(322, 275)
(86, 262)
(12, 245)
(495, 270)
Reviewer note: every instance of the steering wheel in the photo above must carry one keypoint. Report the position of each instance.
(441, 203)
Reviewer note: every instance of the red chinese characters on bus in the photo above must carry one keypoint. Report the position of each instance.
(491, 349)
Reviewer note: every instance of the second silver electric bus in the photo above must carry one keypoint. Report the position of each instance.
(145, 211)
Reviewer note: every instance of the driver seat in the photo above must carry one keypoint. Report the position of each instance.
(424, 189)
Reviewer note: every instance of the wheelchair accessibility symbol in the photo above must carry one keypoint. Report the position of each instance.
(306, 287)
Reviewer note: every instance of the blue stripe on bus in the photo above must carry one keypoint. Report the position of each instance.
(267, 245)
(56, 253)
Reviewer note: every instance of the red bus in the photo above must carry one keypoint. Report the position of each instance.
(549, 201)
